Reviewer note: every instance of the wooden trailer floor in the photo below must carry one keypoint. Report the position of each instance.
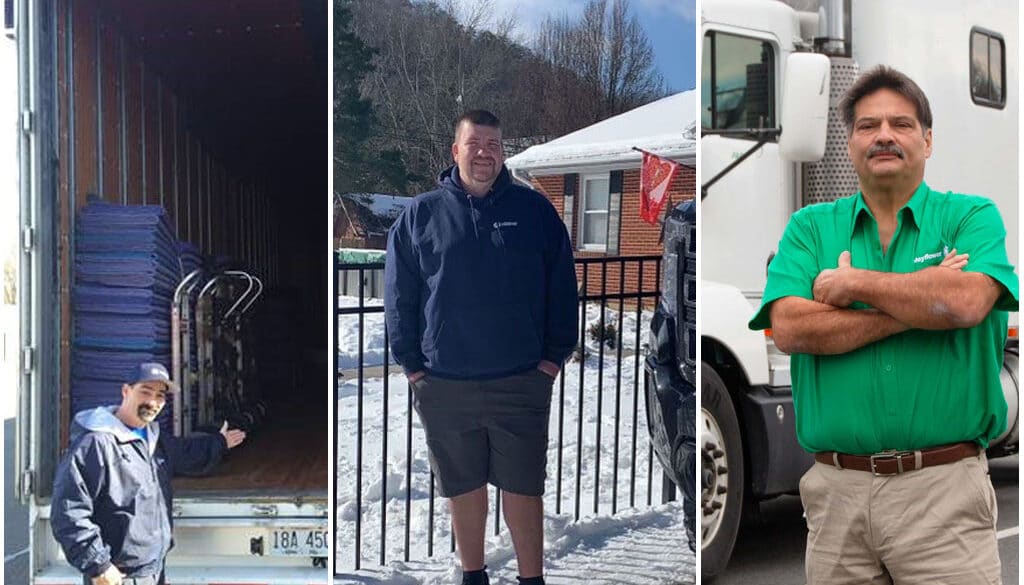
(286, 457)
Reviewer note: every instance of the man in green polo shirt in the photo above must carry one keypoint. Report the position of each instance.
(893, 304)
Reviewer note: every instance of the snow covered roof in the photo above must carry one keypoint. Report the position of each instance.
(666, 127)
(380, 204)
(374, 212)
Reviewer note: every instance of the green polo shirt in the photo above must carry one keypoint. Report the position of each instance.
(918, 388)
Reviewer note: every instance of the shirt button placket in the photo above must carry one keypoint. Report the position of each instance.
(888, 382)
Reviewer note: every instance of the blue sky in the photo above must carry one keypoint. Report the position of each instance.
(670, 26)
(671, 29)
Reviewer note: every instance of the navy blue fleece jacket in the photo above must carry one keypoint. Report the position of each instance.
(112, 493)
(479, 288)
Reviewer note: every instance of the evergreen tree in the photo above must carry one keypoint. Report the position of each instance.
(356, 166)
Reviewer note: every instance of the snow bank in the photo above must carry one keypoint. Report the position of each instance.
(636, 547)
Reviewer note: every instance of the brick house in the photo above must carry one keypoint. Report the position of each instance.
(362, 220)
(592, 176)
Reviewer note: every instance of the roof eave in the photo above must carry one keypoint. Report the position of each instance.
(687, 155)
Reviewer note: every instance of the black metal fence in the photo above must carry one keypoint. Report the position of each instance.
(616, 293)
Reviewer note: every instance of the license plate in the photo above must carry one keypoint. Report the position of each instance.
(302, 542)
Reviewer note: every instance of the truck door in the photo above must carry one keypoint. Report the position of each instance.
(750, 205)
(27, 258)
(39, 283)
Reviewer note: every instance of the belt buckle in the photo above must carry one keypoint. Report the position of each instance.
(884, 456)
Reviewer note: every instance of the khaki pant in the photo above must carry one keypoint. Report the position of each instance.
(933, 526)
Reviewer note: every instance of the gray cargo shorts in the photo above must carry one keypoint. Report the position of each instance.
(486, 431)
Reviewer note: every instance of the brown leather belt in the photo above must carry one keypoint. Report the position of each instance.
(896, 462)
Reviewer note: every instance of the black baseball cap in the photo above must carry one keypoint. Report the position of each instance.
(152, 372)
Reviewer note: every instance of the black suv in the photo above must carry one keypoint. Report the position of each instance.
(670, 367)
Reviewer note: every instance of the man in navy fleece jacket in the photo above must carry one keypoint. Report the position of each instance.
(481, 308)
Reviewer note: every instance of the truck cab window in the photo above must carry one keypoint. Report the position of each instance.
(738, 83)
(988, 53)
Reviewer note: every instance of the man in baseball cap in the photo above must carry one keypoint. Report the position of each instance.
(153, 372)
(144, 395)
(111, 510)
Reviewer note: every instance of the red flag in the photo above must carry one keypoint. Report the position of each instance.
(655, 179)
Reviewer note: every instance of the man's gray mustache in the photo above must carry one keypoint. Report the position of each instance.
(885, 149)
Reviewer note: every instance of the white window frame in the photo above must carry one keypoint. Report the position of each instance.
(582, 211)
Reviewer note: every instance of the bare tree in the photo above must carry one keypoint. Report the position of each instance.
(631, 75)
(434, 60)
(606, 48)
(478, 15)
(431, 66)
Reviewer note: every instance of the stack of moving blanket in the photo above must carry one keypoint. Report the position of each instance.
(126, 268)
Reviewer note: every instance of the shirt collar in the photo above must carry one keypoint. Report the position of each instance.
(915, 206)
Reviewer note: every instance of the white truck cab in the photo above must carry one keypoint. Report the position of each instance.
(770, 147)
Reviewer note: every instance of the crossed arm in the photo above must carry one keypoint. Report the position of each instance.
(938, 297)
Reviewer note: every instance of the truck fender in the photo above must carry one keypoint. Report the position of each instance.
(724, 315)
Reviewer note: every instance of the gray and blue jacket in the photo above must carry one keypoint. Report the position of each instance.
(479, 288)
(112, 493)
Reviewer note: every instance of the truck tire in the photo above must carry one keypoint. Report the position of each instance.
(721, 473)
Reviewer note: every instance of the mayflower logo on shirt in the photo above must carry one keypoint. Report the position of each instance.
(940, 254)
(501, 224)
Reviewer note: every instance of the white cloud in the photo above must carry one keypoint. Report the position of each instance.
(687, 9)
(528, 14)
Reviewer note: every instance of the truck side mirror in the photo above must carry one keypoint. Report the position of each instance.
(805, 95)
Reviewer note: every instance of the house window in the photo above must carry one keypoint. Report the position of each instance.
(594, 213)
(988, 68)
(737, 83)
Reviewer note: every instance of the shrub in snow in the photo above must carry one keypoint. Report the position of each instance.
(609, 335)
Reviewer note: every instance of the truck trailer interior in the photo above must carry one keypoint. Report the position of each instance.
(218, 112)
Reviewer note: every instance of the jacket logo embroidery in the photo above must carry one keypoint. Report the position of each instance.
(501, 224)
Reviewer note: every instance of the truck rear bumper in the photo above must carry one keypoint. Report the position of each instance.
(224, 575)
(217, 550)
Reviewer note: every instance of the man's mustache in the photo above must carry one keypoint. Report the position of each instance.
(885, 149)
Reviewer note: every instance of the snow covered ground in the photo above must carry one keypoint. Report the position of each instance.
(638, 544)
(637, 547)
(348, 335)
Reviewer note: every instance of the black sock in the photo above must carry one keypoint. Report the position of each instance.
(478, 577)
(531, 580)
